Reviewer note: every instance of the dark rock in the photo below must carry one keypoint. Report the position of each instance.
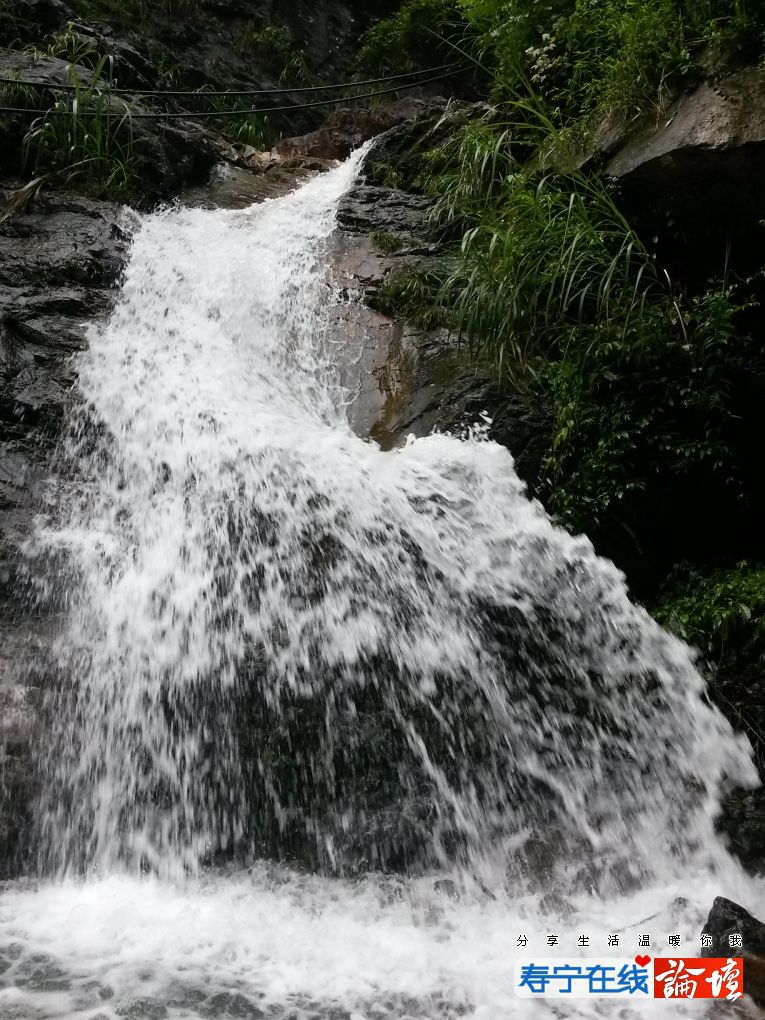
(412, 381)
(743, 822)
(706, 153)
(58, 262)
(367, 208)
(347, 129)
(230, 1004)
(142, 1009)
(433, 384)
(727, 918)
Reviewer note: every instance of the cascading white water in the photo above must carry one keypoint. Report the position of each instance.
(280, 638)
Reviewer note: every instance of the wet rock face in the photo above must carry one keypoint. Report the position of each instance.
(412, 381)
(58, 263)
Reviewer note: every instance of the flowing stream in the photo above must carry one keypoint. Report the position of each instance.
(329, 728)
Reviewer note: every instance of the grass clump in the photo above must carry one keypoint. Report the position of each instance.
(254, 129)
(275, 51)
(85, 139)
(413, 294)
(69, 44)
(386, 242)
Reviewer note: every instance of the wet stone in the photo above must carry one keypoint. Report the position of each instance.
(183, 998)
(142, 1009)
(231, 1004)
(104, 991)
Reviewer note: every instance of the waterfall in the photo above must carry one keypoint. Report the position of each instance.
(279, 642)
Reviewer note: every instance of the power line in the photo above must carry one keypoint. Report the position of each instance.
(245, 92)
(205, 114)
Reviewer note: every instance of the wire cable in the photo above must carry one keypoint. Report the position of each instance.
(243, 92)
(207, 114)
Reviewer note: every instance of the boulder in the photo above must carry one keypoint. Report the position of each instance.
(727, 918)
(707, 152)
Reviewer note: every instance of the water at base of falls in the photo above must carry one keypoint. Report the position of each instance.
(280, 642)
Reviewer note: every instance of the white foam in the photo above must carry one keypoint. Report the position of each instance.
(374, 948)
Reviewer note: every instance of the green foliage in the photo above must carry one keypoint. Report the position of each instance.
(386, 175)
(542, 254)
(581, 55)
(386, 242)
(275, 51)
(413, 294)
(85, 139)
(20, 96)
(69, 44)
(253, 129)
(552, 282)
(720, 610)
(655, 400)
(417, 36)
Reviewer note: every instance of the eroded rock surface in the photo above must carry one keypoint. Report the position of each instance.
(58, 264)
(409, 380)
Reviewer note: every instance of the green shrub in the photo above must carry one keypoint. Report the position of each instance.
(69, 44)
(418, 36)
(656, 400)
(581, 55)
(553, 284)
(720, 610)
(248, 129)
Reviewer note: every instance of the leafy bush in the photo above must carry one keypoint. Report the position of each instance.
(656, 400)
(552, 282)
(720, 610)
(417, 36)
(581, 55)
